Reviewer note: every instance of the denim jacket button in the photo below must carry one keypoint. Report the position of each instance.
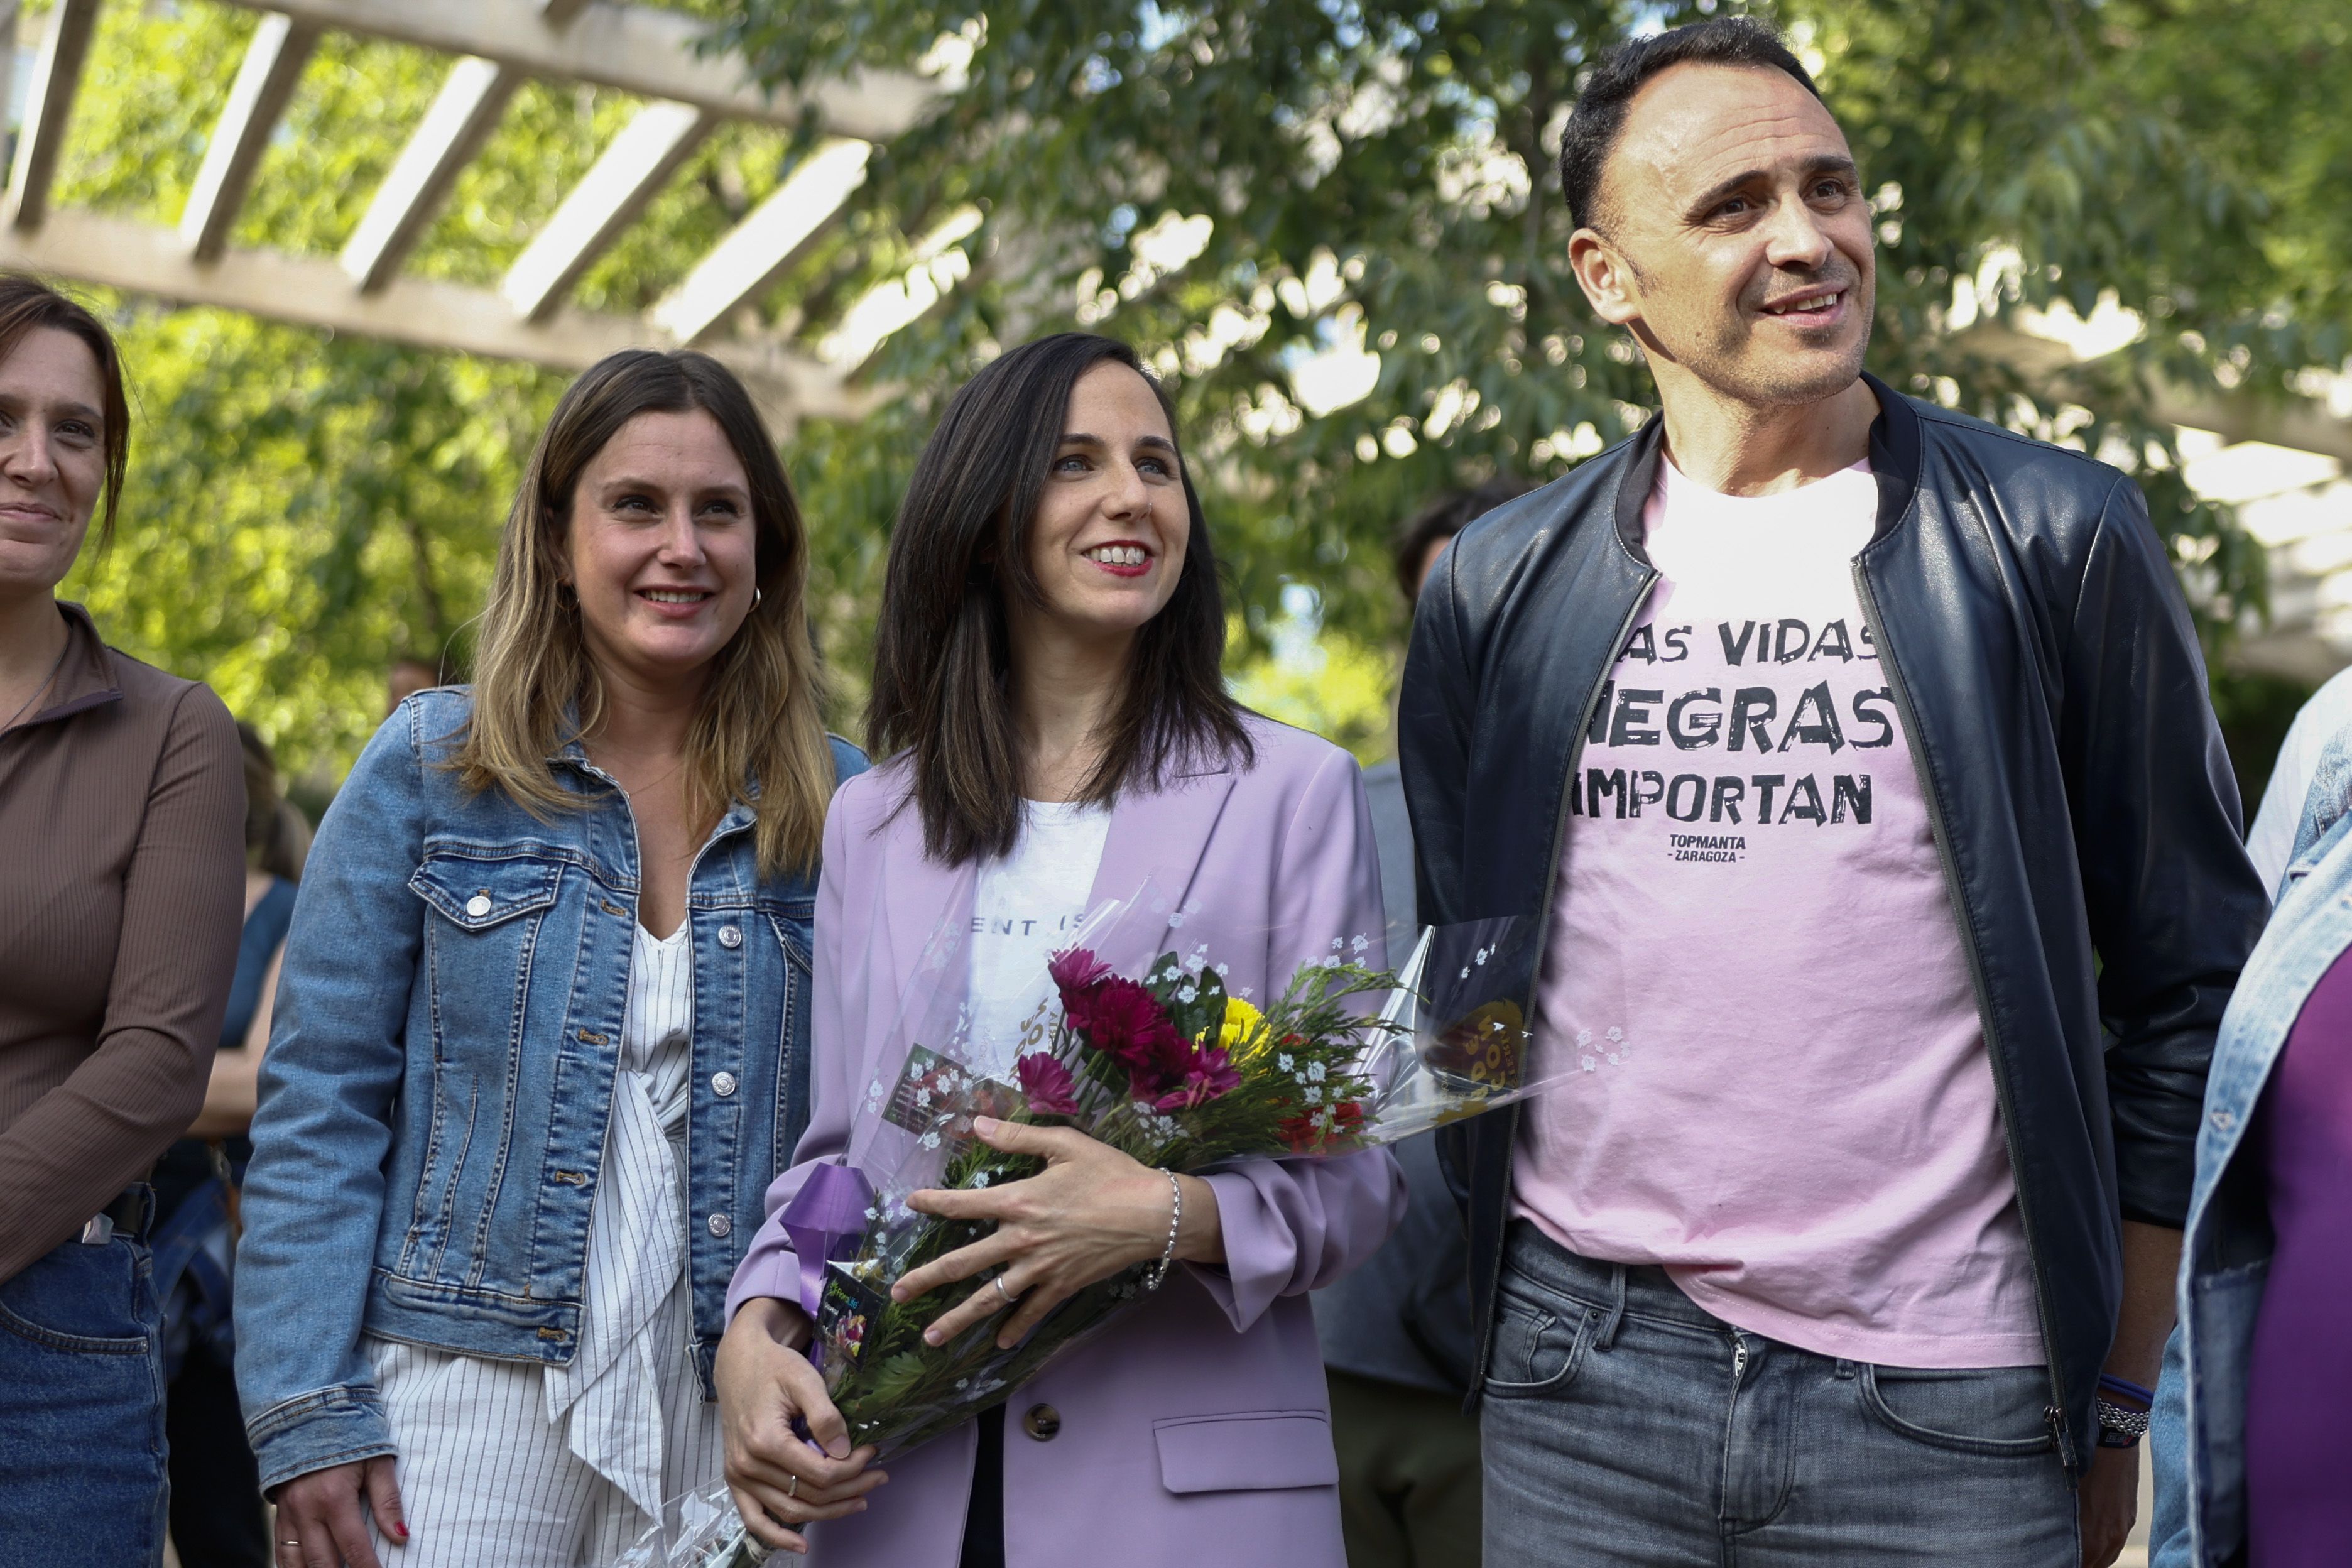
(720, 1224)
(730, 937)
(478, 905)
(722, 1084)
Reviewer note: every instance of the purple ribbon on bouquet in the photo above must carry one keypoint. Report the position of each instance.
(826, 1220)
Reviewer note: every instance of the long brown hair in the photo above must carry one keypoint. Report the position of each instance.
(276, 839)
(26, 303)
(759, 733)
(960, 548)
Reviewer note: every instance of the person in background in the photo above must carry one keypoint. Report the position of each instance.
(2270, 840)
(2260, 1372)
(1396, 1334)
(217, 1519)
(410, 673)
(1047, 690)
(120, 795)
(541, 1039)
(1852, 761)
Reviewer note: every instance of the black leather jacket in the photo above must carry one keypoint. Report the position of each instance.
(2053, 698)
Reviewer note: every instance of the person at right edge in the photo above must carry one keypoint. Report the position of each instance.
(1850, 765)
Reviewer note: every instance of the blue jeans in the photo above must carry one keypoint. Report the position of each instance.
(1622, 1423)
(81, 1410)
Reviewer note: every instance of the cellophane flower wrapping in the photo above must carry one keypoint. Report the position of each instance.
(1162, 1063)
(1166, 1066)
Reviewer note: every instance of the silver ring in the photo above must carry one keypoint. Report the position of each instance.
(1010, 1298)
(793, 1490)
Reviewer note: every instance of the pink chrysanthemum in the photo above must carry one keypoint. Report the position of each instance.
(1050, 1090)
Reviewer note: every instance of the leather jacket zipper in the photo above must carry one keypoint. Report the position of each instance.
(1875, 624)
(1543, 925)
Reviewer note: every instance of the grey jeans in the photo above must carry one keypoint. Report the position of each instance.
(1623, 1424)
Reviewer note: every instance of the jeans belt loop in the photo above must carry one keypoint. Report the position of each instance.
(1607, 1338)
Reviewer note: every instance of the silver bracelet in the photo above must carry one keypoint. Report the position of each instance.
(1157, 1274)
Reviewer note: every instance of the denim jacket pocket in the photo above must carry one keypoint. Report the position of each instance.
(481, 937)
(476, 894)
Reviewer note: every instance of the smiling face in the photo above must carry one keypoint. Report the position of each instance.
(662, 549)
(1732, 237)
(1106, 543)
(52, 457)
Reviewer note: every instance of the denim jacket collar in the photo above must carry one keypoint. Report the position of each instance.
(574, 754)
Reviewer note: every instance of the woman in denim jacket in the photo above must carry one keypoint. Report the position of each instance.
(540, 1043)
(2249, 1372)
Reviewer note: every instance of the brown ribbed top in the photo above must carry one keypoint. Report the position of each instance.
(121, 880)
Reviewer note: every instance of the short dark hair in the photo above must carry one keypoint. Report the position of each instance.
(1442, 516)
(26, 303)
(960, 551)
(1599, 114)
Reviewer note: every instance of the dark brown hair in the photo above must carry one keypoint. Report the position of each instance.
(960, 548)
(276, 839)
(26, 303)
(1440, 517)
(1590, 134)
(761, 721)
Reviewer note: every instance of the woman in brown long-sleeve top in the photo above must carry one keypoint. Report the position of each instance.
(122, 867)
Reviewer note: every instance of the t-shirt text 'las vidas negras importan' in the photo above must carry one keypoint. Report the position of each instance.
(1780, 1090)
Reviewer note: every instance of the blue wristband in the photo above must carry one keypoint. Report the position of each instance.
(2128, 1389)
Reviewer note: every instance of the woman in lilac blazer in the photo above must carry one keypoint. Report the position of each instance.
(1048, 671)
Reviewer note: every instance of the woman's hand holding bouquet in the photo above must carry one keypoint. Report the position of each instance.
(1093, 1211)
(777, 1477)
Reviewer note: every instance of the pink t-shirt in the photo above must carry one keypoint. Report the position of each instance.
(1784, 1096)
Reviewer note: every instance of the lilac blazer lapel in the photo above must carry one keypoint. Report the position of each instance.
(1157, 840)
(924, 901)
(1154, 847)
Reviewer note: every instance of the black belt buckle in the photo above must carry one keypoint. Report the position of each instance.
(128, 1216)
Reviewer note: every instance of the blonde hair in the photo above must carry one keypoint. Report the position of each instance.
(758, 734)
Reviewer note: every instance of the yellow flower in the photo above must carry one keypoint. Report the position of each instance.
(1242, 1032)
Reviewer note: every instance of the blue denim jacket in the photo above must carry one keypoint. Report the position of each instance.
(440, 1070)
(2200, 1425)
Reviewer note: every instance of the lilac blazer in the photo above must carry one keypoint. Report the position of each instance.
(1195, 1428)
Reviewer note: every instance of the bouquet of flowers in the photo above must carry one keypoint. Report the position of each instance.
(1164, 1065)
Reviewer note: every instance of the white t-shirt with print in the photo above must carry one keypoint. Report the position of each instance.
(1028, 905)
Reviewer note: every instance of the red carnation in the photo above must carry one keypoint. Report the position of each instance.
(1313, 1129)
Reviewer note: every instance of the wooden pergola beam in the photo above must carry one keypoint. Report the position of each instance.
(776, 235)
(629, 173)
(471, 100)
(635, 49)
(48, 111)
(314, 291)
(265, 84)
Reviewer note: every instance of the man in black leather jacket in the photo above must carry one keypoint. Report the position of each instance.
(2074, 828)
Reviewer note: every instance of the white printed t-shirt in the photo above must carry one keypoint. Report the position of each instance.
(1782, 1094)
(1027, 907)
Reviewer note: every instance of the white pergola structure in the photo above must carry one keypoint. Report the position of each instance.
(494, 44)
